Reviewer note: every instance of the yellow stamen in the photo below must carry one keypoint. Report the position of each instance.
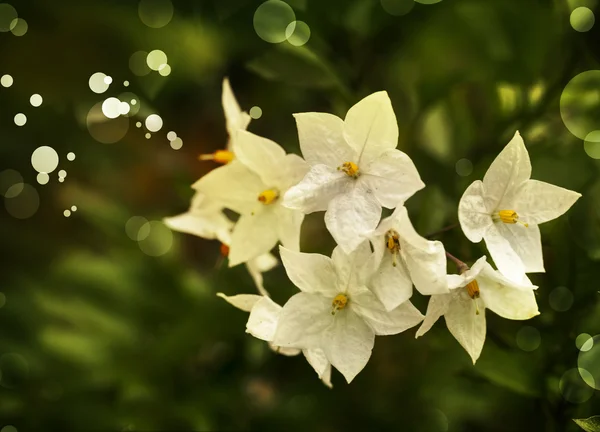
(393, 244)
(339, 302)
(220, 156)
(473, 291)
(268, 196)
(350, 168)
(510, 217)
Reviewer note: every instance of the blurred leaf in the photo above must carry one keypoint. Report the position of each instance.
(591, 424)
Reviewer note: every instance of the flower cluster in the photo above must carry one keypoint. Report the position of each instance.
(351, 169)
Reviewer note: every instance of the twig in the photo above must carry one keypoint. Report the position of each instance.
(462, 267)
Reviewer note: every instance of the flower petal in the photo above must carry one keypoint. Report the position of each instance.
(262, 322)
(317, 189)
(465, 324)
(243, 302)
(473, 215)
(438, 306)
(504, 256)
(527, 244)
(352, 268)
(257, 266)
(461, 280)
(391, 284)
(318, 360)
(263, 156)
(288, 227)
(205, 225)
(294, 170)
(348, 343)
(253, 235)
(322, 139)
(303, 320)
(425, 259)
(507, 172)
(288, 352)
(233, 186)
(384, 322)
(538, 202)
(371, 127)
(312, 273)
(510, 301)
(393, 178)
(235, 118)
(351, 216)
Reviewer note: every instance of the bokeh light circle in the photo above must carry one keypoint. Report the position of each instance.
(272, 19)
(20, 119)
(97, 83)
(155, 13)
(297, 33)
(137, 63)
(132, 100)
(155, 59)
(589, 360)
(573, 388)
(256, 112)
(9, 428)
(19, 27)
(44, 159)
(584, 342)
(164, 70)
(580, 104)
(171, 136)
(67, 213)
(9, 179)
(62, 173)
(36, 100)
(7, 15)
(22, 204)
(591, 144)
(528, 338)
(428, 2)
(104, 130)
(582, 19)
(464, 167)
(159, 241)
(397, 7)
(43, 178)
(561, 299)
(177, 143)
(111, 108)
(154, 123)
(133, 228)
(6, 80)
(71, 156)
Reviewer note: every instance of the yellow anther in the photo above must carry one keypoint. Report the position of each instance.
(473, 291)
(350, 168)
(339, 302)
(392, 241)
(510, 217)
(268, 196)
(220, 156)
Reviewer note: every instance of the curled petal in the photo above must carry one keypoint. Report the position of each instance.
(473, 215)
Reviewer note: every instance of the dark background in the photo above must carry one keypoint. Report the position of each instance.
(98, 334)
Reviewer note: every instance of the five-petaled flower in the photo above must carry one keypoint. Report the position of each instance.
(506, 207)
(334, 311)
(479, 288)
(355, 169)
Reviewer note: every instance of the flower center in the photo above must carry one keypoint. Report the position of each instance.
(510, 217)
(350, 168)
(392, 242)
(220, 156)
(268, 196)
(339, 302)
(473, 291)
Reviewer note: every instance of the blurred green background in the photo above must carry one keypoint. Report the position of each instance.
(108, 322)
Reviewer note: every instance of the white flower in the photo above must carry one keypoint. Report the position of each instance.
(335, 312)
(235, 119)
(402, 257)
(471, 293)
(355, 168)
(262, 323)
(252, 185)
(506, 208)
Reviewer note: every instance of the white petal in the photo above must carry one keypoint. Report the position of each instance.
(312, 273)
(253, 235)
(243, 302)
(257, 266)
(509, 170)
(425, 259)
(465, 324)
(473, 215)
(322, 139)
(527, 244)
(326, 378)
(538, 202)
(352, 268)
(289, 352)
(317, 189)
(504, 256)
(318, 360)
(351, 216)
(393, 178)
(303, 320)
(438, 306)
(234, 117)
(348, 343)
(457, 281)
(384, 322)
(371, 127)
(391, 284)
(294, 169)
(208, 226)
(263, 156)
(507, 299)
(262, 322)
(288, 227)
(232, 185)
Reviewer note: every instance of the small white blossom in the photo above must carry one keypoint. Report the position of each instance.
(335, 312)
(355, 168)
(252, 185)
(262, 323)
(403, 258)
(506, 207)
(475, 290)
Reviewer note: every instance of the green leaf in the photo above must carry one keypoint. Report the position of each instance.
(591, 424)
